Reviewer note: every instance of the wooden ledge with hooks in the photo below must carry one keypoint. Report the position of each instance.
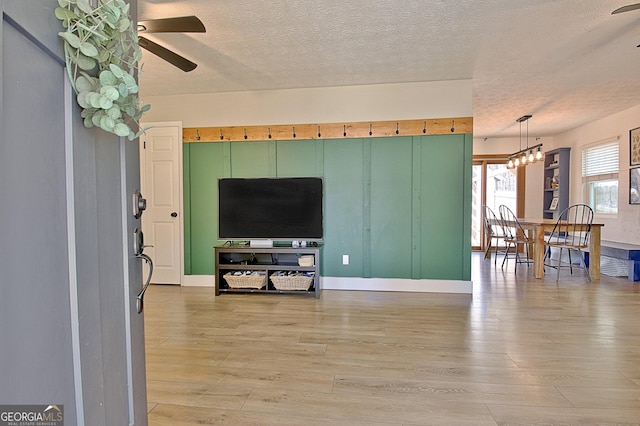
(365, 129)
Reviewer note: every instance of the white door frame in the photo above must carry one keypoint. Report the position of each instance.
(144, 188)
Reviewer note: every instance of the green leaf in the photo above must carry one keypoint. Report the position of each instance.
(95, 119)
(88, 112)
(64, 14)
(122, 88)
(114, 112)
(107, 78)
(125, 23)
(121, 129)
(87, 122)
(107, 123)
(64, 3)
(103, 56)
(71, 38)
(83, 100)
(112, 15)
(145, 108)
(94, 99)
(110, 23)
(125, 6)
(110, 92)
(105, 103)
(84, 84)
(84, 62)
(88, 49)
(95, 30)
(115, 10)
(129, 80)
(116, 70)
(129, 110)
(84, 6)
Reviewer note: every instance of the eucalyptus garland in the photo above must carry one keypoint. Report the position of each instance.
(102, 54)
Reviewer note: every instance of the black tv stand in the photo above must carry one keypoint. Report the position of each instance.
(267, 260)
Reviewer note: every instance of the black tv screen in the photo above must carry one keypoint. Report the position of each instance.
(285, 209)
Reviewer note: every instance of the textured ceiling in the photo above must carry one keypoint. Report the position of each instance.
(566, 62)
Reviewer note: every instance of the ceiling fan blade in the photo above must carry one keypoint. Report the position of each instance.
(182, 24)
(173, 58)
(626, 8)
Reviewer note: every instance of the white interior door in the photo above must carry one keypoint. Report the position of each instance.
(161, 168)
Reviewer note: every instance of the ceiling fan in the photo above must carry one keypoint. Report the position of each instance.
(182, 24)
(627, 8)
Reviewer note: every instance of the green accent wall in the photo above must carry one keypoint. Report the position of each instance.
(207, 163)
(344, 209)
(400, 207)
(391, 230)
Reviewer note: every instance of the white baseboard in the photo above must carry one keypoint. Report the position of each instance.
(198, 281)
(397, 284)
(365, 284)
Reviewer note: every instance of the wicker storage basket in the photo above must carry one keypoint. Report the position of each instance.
(292, 281)
(246, 280)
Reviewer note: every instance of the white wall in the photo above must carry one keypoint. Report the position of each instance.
(380, 102)
(625, 226)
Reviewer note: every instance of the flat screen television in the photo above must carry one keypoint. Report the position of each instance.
(278, 209)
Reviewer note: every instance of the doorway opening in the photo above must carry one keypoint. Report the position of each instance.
(493, 184)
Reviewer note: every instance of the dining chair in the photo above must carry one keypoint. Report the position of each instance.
(571, 231)
(515, 235)
(493, 231)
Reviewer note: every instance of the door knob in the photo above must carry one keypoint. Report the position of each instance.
(174, 214)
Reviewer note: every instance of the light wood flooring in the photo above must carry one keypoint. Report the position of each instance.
(517, 351)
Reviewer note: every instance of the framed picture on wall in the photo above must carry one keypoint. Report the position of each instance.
(634, 146)
(634, 186)
(554, 203)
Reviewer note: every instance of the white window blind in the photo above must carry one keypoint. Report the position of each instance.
(600, 161)
(600, 164)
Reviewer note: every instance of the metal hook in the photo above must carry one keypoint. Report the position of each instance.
(397, 128)
(318, 131)
(424, 130)
(269, 132)
(221, 135)
(370, 129)
(245, 133)
(344, 132)
(453, 126)
(197, 135)
(294, 131)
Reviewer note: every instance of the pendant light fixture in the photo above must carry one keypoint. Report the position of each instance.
(525, 156)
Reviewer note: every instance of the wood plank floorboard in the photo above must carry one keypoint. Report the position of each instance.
(518, 351)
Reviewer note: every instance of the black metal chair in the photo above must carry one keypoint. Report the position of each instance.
(493, 232)
(571, 232)
(515, 235)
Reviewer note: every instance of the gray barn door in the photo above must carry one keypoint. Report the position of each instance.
(68, 279)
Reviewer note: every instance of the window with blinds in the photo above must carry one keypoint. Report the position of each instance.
(600, 164)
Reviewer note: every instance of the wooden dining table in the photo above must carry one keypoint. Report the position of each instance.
(537, 228)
